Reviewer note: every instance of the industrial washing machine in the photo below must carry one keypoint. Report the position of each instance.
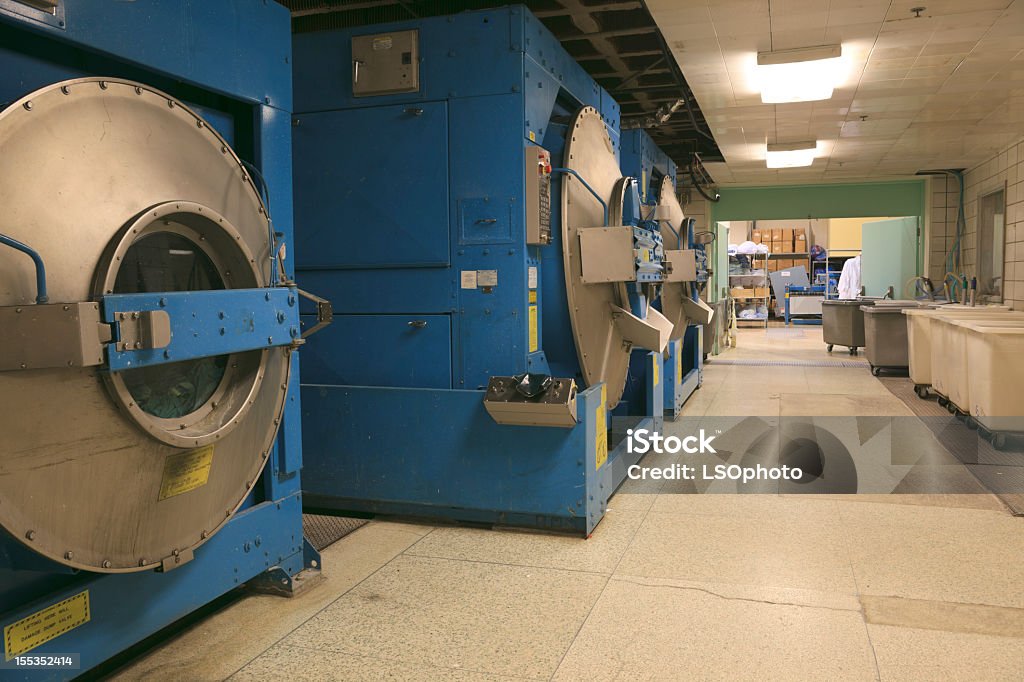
(150, 447)
(458, 178)
(679, 301)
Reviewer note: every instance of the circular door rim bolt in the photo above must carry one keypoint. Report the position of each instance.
(236, 265)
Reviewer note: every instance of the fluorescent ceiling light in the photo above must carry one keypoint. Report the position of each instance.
(805, 74)
(791, 154)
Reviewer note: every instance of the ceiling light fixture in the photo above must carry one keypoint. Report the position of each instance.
(791, 154)
(806, 74)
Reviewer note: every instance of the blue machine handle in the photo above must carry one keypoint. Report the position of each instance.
(206, 323)
(41, 296)
(590, 189)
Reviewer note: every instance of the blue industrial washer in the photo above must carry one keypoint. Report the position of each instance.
(457, 180)
(150, 447)
(679, 302)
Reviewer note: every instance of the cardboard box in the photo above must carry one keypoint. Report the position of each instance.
(787, 238)
(777, 234)
(778, 246)
(749, 292)
(756, 236)
(800, 244)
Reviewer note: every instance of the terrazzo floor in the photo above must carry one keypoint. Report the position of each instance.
(673, 587)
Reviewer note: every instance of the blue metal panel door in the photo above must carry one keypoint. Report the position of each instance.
(354, 215)
(381, 350)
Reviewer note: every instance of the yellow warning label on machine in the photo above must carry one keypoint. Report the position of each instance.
(41, 627)
(679, 366)
(533, 137)
(601, 431)
(533, 295)
(534, 342)
(655, 361)
(186, 471)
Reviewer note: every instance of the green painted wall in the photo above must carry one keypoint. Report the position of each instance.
(853, 200)
(783, 202)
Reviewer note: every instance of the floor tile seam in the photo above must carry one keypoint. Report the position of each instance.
(994, 513)
(384, 659)
(331, 603)
(505, 563)
(767, 517)
(640, 581)
(604, 588)
(856, 586)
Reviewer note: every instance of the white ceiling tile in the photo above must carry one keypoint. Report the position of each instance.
(943, 90)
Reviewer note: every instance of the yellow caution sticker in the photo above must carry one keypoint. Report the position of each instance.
(655, 361)
(643, 185)
(533, 138)
(679, 365)
(533, 296)
(601, 431)
(41, 627)
(186, 471)
(534, 341)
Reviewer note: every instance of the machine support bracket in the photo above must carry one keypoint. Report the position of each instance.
(324, 312)
(176, 560)
(278, 582)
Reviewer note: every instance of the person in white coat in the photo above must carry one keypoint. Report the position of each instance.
(849, 280)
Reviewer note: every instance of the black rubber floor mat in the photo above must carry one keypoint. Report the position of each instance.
(788, 363)
(324, 531)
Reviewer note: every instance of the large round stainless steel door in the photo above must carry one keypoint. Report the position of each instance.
(123, 189)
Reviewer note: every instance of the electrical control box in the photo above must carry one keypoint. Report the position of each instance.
(385, 63)
(538, 196)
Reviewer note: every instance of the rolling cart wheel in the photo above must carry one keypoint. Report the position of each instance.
(921, 391)
(828, 348)
(951, 407)
(875, 371)
(853, 350)
(943, 402)
(998, 440)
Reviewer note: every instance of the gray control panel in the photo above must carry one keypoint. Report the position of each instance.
(386, 63)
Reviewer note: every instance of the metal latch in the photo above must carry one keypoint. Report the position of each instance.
(143, 330)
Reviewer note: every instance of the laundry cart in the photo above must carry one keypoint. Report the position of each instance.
(954, 372)
(885, 336)
(996, 379)
(843, 323)
(920, 325)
